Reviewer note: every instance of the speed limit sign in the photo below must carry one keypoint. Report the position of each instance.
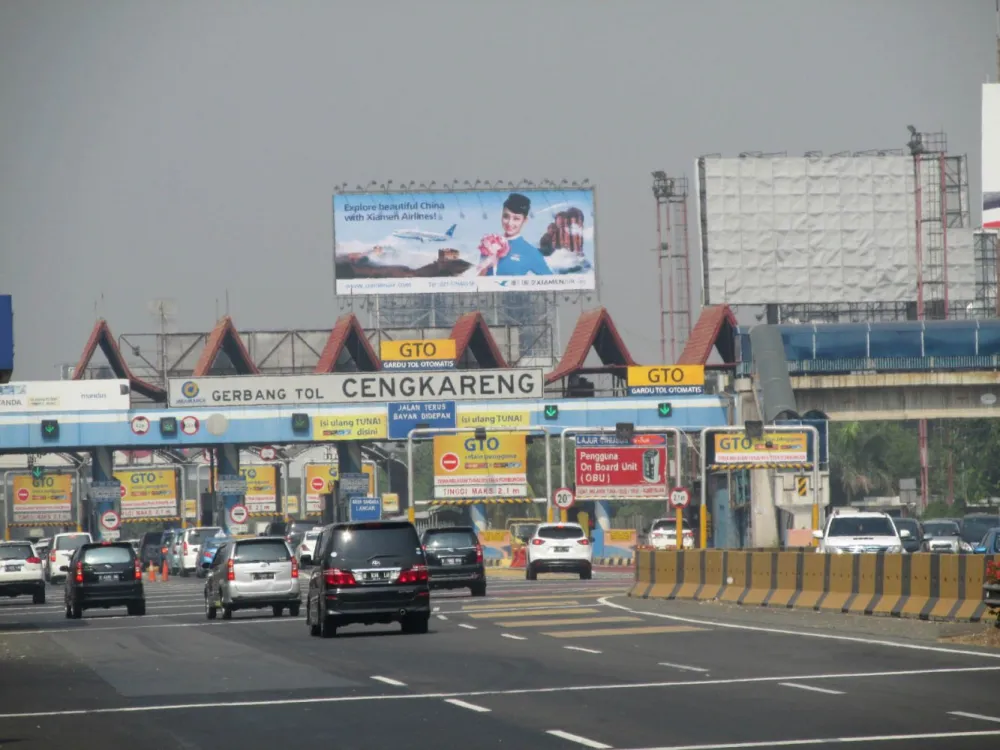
(563, 498)
(680, 497)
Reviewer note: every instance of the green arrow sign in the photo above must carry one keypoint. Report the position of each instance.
(551, 411)
(665, 410)
(36, 472)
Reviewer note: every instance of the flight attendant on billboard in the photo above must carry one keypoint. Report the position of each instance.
(511, 254)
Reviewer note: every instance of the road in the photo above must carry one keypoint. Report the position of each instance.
(556, 663)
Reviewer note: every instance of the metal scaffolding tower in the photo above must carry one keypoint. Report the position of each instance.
(673, 260)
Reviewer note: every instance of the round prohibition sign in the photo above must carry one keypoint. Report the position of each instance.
(110, 520)
(564, 498)
(680, 497)
(449, 462)
(318, 484)
(238, 514)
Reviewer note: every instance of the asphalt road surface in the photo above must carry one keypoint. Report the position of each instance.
(556, 663)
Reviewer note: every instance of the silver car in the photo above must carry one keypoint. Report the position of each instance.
(944, 535)
(253, 574)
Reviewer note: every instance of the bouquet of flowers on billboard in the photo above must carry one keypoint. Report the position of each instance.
(492, 248)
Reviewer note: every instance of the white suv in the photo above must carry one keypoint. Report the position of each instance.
(61, 551)
(559, 548)
(21, 571)
(851, 531)
(190, 547)
(663, 534)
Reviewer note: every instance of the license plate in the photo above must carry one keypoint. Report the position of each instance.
(453, 561)
(12, 568)
(109, 577)
(560, 549)
(376, 576)
(263, 576)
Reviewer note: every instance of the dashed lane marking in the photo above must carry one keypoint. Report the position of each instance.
(513, 637)
(388, 681)
(581, 648)
(811, 688)
(897, 738)
(578, 739)
(552, 623)
(651, 630)
(981, 717)
(466, 626)
(683, 667)
(505, 613)
(470, 706)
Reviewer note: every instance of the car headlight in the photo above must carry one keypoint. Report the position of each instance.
(965, 547)
(894, 548)
(839, 550)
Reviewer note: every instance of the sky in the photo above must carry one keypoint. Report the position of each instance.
(181, 150)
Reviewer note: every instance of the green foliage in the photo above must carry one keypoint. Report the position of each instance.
(940, 509)
(868, 459)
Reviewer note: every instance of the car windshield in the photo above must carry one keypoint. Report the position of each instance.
(976, 527)
(861, 526)
(15, 552)
(107, 555)
(360, 546)
(450, 539)
(153, 537)
(313, 535)
(941, 528)
(72, 541)
(560, 532)
(197, 536)
(909, 524)
(265, 550)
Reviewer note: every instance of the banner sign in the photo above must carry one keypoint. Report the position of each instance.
(105, 490)
(611, 469)
(666, 380)
(354, 484)
(469, 241)
(403, 418)
(65, 396)
(148, 493)
(261, 493)
(230, 485)
(369, 426)
(437, 354)
(320, 479)
(466, 467)
(772, 448)
(48, 499)
(365, 508)
(354, 388)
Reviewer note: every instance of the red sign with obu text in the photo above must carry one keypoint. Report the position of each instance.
(609, 471)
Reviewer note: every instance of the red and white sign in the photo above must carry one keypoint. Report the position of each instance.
(238, 514)
(449, 462)
(268, 454)
(189, 425)
(121, 490)
(680, 497)
(317, 484)
(140, 425)
(110, 520)
(23, 495)
(622, 473)
(563, 498)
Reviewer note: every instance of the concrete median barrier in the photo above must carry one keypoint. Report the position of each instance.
(924, 586)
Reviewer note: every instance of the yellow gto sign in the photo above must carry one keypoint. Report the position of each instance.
(774, 448)
(434, 354)
(666, 380)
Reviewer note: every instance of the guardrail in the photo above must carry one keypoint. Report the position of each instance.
(924, 586)
(845, 365)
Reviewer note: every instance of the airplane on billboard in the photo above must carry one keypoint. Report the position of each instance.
(416, 234)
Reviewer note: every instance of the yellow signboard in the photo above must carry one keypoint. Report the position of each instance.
(292, 505)
(416, 351)
(262, 488)
(666, 376)
(190, 508)
(390, 502)
(368, 426)
(468, 467)
(773, 448)
(48, 499)
(492, 419)
(369, 469)
(148, 493)
(319, 482)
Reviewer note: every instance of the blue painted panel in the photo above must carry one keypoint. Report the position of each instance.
(404, 417)
(365, 508)
(839, 341)
(6, 332)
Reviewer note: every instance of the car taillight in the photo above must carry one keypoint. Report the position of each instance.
(537, 541)
(230, 573)
(479, 553)
(337, 577)
(52, 557)
(163, 550)
(416, 574)
(584, 542)
(688, 532)
(34, 561)
(79, 572)
(138, 570)
(185, 548)
(295, 568)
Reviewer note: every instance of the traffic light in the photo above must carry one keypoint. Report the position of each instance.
(50, 428)
(480, 434)
(168, 426)
(551, 411)
(754, 428)
(37, 472)
(300, 423)
(624, 431)
(664, 410)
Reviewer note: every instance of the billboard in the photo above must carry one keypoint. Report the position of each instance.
(666, 380)
(148, 493)
(439, 354)
(319, 481)
(48, 499)
(736, 449)
(262, 489)
(804, 230)
(354, 388)
(466, 467)
(991, 156)
(611, 469)
(65, 395)
(466, 241)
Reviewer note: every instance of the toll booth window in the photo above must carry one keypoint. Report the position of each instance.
(74, 541)
(107, 555)
(262, 551)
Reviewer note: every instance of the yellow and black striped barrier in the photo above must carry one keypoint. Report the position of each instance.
(925, 586)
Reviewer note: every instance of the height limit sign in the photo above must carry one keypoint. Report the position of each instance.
(680, 497)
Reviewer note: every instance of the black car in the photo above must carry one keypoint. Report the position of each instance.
(455, 559)
(104, 575)
(374, 572)
(151, 550)
(915, 542)
(293, 531)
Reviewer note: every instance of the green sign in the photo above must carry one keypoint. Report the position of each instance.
(664, 410)
(50, 428)
(37, 472)
(168, 426)
(551, 411)
(300, 423)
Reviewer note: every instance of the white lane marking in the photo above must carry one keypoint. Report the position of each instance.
(526, 607)
(830, 741)
(810, 687)
(975, 716)
(577, 739)
(437, 609)
(803, 633)
(466, 626)
(470, 706)
(581, 648)
(513, 637)
(683, 667)
(686, 684)
(388, 681)
(442, 617)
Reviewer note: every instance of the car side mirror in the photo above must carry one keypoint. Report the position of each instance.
(817, 534)
(905, 534)
(64, 569)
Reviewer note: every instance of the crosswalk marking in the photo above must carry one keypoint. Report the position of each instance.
(500, 615)
(568, 621)
(622, 631)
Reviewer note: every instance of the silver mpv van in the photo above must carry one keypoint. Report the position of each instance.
(253, 574)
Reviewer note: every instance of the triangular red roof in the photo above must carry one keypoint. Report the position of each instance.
(225, 337)
(101, 336)
(348, 333)
(471, 334)
(594, 330)
(716, 328)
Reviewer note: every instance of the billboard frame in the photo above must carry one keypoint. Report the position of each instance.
(76, 501)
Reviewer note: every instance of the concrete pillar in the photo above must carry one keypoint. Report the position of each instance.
(764, 521)
(478, 515)
(102, 469)
(229, 466)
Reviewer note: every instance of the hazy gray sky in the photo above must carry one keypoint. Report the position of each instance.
(152, 149)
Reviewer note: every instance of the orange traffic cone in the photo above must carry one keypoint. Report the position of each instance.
(152, 571)
(166, 571)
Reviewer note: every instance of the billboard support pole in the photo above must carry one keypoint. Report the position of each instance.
(423, 431)
(811, 429)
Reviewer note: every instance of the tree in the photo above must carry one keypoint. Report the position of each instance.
(868, 458)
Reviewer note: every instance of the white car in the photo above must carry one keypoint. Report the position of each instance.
(304, 552)
(663, 534)
(61, 551)
(21, 571)
(851, 531)
(190, 547)
(559, 548)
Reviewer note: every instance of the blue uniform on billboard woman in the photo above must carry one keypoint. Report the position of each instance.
(523, 257)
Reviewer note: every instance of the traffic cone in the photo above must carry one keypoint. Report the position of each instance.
(166, 571)
(152, 572)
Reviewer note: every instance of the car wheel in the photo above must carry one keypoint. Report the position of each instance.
(277, 609)
(227, 612)
(586, 575)
(416, 624)
(69, 613)
(39, 596)
(328, 628)
(479, 589)
(530, 573)
(77, 612)
(210, 610)
(313, 626)
(293, 610)
(184, 573)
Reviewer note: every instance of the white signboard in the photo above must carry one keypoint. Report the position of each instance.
(357, 387)
(65, 396)
(991, 156)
